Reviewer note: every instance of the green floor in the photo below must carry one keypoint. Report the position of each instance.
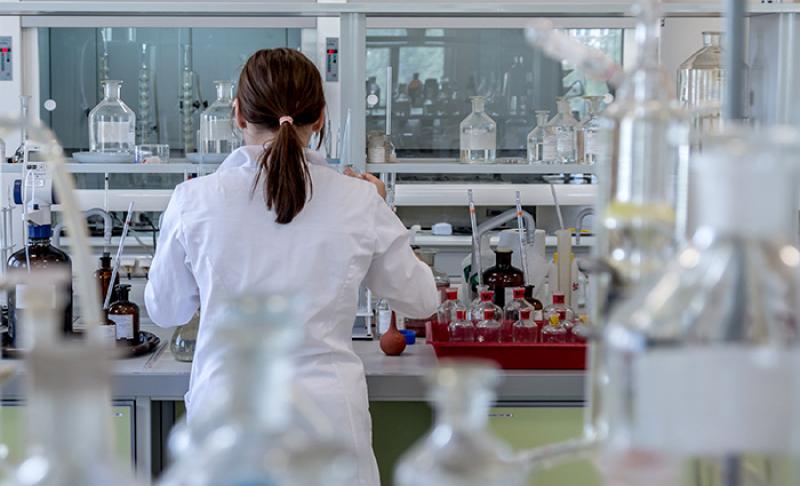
(397, 425)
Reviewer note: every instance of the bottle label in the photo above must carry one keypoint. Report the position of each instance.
(480, 139)
(565, 142)
(384, 321)
(549, 148)
(726, 399)
(123, 324)
(114, 132)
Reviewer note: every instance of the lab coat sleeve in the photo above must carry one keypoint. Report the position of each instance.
(395, 272)
(171, 296)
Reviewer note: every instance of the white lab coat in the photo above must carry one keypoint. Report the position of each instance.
(217, 241)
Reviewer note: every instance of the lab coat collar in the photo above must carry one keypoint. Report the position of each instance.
(247, 156)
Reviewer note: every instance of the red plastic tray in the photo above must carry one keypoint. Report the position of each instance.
(518, 356)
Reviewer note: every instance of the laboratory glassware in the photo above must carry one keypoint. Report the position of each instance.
(524, 329)
(145, 128)
(566, 128)
(502, 278)
(184, 340)
(103, 275)
(478, 134)
(38, 253)
(461, 329)
(217, 131)
(446, 314)
(393, 342)
(26, 148)
(112, 123)
(187, 101)
(249, 434)
(558, 304)
(726, 305)
(484, 301)
(2, 151)
(511, 312)
(68, 410)
(488, 330)
(156, 153)
(581, 331)
(384, 316)
(460, 450)
(542, 140)
(701, 81)
(125, 315)
(590, 139)
(556, 330)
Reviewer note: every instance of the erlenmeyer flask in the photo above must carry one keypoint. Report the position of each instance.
(184, 340)
(246, 436)
(459, 450)
(692, 357)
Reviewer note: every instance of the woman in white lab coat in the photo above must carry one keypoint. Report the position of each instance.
(275, 219)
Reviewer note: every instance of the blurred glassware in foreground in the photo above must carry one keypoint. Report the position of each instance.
(701, 81)
(247, 435)
(460, 450)
(184, 340)
(691, 358)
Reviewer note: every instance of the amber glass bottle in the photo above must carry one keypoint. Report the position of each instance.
(42, 255)
(125, 315)
(103, 276)
(502, 277)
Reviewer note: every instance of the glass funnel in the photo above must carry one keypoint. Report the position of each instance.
(246, 435)
(541, 140)
(478, 134)
(217, 131)
(460, 450)
(701, 81)
(112, 124)
(692, 357)
(591, 139)
(566, 129)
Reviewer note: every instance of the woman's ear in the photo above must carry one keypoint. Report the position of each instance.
(317, 126)
(240, 121)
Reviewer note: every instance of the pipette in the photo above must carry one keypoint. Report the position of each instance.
(523, 253)
(115, 270)
(558, 206)
(473, 219)
(344, 152)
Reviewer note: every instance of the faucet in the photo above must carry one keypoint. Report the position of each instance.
(108, 227)
(579, 222)
(495, 222)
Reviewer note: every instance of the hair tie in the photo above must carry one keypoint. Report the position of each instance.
(286, 119)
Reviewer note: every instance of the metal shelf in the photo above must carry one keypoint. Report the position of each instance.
(179, 167)
(585, 8)
(444, 166)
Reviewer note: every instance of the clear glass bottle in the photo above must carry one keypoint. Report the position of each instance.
(701, 81)
(184, 340)
(566, 128)
(541, 140)
(446, 314)
(384, 314)
(558, 304)
(461, 329)
(590, 137)
(69, 434)
(511, 312)
(502, 278)
(524, 329)
(112, 124)
(249, 435)
(460, 450)
(487, 330)
(478, 134)
(725, 306)
(485, 301)
(581, 331)
(555, 332)
(217, 131)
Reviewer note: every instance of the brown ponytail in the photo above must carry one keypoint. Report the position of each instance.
(281, 90)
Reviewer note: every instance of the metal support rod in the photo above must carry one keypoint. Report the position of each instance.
(733, 105)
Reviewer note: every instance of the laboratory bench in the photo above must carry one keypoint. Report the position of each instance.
(148, 393)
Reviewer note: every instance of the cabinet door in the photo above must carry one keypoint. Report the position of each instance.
(12, 430)
(526, 427)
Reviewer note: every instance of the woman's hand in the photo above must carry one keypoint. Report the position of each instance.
(379, 185)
